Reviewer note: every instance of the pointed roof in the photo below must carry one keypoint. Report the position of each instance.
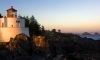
(11, 8)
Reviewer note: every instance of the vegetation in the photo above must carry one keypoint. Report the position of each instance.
(53, 30)
(1, 15)
(34, 27)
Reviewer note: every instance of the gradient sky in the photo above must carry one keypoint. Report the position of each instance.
(66, 15)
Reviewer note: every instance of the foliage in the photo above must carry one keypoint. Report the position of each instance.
(1, 15)
(53, 30)
(59, 31)
(42, 29)
(33, 25)
(26, 21)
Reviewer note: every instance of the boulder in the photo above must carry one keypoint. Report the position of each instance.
(19, 44)
(40, 41)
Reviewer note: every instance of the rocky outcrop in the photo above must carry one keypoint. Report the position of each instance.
(21, 41)
(18, 46)
(72, 46)
(57, 46)
(96, 33)
(86, 33)
(40, 41)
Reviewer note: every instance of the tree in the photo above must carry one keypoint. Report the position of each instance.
(27, 17)
(19, 16)
(34, 26)
(32, 19)
(53, 30)
(23, 16)
(42, 29)
(59, 30)
(26, 21)
(1, 15)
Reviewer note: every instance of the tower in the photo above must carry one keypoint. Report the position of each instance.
(11, 12)
(10, 26)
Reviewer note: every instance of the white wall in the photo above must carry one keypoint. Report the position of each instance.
(1, 21)
(7, 33)
(22, 22)
(4, 21)
(11, 21)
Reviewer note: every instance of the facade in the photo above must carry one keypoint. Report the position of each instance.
(10, 26)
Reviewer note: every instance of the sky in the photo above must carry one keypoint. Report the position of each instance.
(72, 16)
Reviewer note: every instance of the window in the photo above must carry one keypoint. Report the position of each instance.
(18, 23)
(2, 24)
(11, 25)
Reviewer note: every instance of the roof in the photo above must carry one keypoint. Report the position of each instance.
(11, 8)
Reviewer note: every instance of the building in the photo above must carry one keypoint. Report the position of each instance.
(10, 26)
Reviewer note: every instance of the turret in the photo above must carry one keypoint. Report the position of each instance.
(11, 12)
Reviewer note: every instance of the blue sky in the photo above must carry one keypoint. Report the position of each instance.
(67, 15)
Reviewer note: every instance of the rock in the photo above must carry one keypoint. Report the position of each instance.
(59, 46)
(40, 41)
(60, 57)
(86, 33)
(19, 44)
(96, 33)
(23, 58)
(21, 36)
(12, 44)
(4, 53)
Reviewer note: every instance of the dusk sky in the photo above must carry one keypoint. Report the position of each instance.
(66, 15)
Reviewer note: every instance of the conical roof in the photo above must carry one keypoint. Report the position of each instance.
(11, 9)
